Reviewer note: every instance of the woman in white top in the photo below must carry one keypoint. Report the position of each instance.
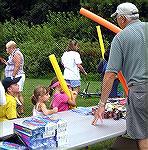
(72, 65)
(14, 68)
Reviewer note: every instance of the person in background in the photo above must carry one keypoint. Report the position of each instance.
(9, 110)
(72, 65)
(14, 68)
(129, 54)
(2, 95)
(60, 99)
(102, 68)
(39, 98)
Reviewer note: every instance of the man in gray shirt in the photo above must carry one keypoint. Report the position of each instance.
(128, 53)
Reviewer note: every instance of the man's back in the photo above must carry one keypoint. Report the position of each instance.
(130, 47)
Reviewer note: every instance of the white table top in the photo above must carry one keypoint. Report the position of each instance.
(81, 132)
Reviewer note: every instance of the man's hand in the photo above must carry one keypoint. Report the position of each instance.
(98, 115)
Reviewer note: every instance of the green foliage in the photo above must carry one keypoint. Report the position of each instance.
(72, 25)
(37, 42)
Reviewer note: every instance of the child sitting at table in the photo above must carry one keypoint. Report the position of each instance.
(60, 99)
(9, 109)
(39, 98)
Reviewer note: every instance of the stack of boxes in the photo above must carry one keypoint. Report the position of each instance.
(42, 132)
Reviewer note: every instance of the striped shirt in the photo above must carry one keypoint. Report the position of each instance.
(10, 64)
(128, 53)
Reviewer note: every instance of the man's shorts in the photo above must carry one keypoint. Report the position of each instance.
(21, 82)
(137, 112)
(73, 83)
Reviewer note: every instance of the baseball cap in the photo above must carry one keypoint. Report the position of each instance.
(8, 81)
(126, 9)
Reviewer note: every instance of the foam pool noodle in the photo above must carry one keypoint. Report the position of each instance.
(113, 28)
(59, 75)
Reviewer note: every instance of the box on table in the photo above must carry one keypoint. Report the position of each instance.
(42, 132)
(36, 125)
(29, 137)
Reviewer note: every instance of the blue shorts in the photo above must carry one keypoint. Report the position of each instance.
(73, 83)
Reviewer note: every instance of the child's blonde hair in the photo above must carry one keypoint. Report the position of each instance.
(38, 91)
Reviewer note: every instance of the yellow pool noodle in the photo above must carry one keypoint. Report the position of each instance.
(59, 75)
(101, 41)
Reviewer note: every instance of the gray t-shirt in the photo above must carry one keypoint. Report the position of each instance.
(128, 53)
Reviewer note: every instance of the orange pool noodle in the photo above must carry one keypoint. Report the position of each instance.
(113, 28)
(123, 82)
(99, 20)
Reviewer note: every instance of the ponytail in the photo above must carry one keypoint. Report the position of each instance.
(34, 100)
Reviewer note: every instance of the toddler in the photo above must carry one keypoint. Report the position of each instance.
(39, 98)
(60, 99)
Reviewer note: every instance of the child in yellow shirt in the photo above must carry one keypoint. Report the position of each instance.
(9, 111)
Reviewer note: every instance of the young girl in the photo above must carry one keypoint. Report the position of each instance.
(39, 98)
(60, 99)
(72, 63)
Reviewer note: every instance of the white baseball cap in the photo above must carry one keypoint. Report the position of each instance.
(127, 8)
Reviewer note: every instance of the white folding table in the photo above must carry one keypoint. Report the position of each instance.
(80, 131)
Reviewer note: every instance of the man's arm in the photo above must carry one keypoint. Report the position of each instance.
(108, 80)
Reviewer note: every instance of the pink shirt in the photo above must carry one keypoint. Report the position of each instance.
(60, 100)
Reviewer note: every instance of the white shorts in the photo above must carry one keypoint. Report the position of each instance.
(21, 82)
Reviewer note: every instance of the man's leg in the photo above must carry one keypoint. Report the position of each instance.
(143, 144)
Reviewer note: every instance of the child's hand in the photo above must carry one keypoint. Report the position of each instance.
(55, 109)
(74, 94)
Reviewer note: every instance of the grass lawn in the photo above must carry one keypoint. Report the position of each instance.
(30, 84)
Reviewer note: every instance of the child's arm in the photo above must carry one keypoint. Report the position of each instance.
(48, 111)
(72, 99)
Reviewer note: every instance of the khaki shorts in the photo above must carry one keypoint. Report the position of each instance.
(137, 112)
